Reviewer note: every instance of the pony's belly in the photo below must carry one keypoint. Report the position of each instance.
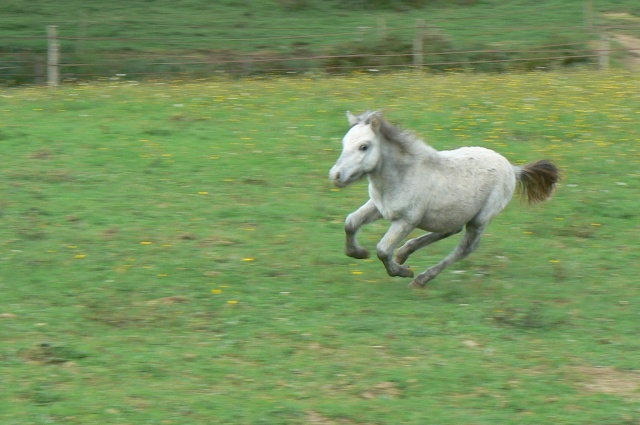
(446, 220)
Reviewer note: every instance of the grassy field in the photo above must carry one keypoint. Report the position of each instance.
(203, 24)
(171, 253)
(199, 36)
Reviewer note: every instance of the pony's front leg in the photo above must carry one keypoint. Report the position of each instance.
(386, 247)
(363, 215)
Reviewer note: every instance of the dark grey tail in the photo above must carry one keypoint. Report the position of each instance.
(537, 180)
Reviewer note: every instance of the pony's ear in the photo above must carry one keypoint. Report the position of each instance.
(375, 121)
(375, 124)
(353, 119)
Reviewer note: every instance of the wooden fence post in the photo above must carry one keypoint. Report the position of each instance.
(604, 52)
(53, 57)
(382, 28)
(588, 15)
(418, 45)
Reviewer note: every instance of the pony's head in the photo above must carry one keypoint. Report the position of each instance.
(360, 149)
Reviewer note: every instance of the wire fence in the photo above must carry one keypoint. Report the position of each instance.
(51, 58)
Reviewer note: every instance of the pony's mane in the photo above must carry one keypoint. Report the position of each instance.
(391, 132)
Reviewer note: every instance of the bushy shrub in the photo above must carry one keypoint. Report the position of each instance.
(556, 52)
(296, 5)
(384, 52)
(399, 5)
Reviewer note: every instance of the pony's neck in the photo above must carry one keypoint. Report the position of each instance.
(398, 161)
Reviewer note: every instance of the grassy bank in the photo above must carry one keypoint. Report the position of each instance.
(201, 37)
(172, 253)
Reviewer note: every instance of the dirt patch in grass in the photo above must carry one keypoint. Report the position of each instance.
(607, 380)
(174, 299)
(382, 390)
(622, 16)
(633, 45)
(626, 41)
(316, 418)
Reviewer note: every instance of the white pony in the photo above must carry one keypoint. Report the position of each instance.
(414, 186)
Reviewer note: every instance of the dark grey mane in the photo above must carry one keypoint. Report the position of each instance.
(391, 132)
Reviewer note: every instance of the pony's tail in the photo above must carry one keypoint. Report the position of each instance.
(537, 180)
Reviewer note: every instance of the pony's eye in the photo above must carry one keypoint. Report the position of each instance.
(364, 147)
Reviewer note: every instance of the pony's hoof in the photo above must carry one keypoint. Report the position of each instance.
(405, 272)
(416, 285)
(359, 254)
(401, 256)
(400, 271)
(400, 259)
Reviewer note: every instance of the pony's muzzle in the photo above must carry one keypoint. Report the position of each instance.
(342, 177)
(334, 176)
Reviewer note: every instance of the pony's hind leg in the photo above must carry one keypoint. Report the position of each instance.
(415, 244)
(468, 244)
(363, 215)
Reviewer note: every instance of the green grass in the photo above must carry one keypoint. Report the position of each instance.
(190, 36)
(172, 253)
(200, 23)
